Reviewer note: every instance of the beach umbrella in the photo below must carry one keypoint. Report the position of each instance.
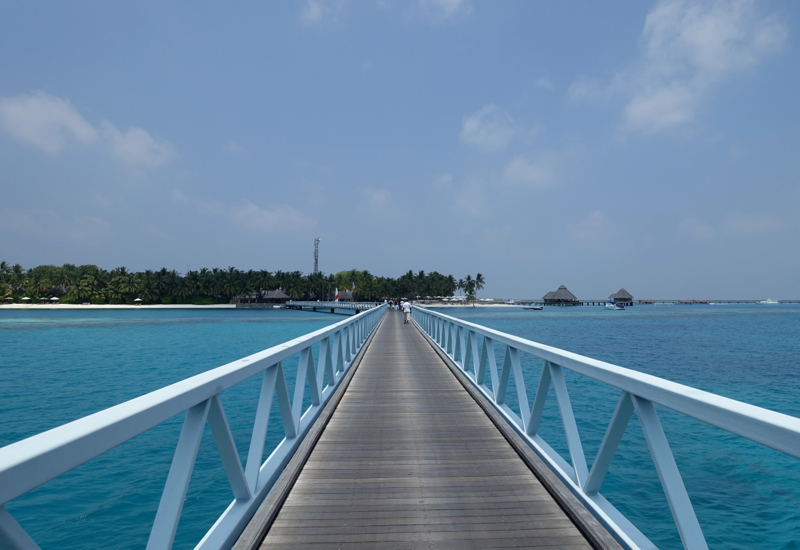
(138, 300)
(9, 298)
(26, 298)
(53, 299)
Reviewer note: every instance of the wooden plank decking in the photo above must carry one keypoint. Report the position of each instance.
(409, 460)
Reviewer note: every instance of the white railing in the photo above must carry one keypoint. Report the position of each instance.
(460, 341)
(358, 306)
(32, 462)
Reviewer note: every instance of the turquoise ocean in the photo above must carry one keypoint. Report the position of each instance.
(56, 366)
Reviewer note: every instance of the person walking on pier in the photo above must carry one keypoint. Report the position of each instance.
(407, 311)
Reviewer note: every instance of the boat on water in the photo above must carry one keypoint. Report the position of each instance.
(536, 308)
(769, 301)
(612, 305)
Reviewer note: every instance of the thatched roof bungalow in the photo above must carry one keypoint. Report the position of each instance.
(269, 297)
(561, 297)
(621, 297)
(276, 296)
(345, 295)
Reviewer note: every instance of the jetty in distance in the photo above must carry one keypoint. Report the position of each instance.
(599, 302)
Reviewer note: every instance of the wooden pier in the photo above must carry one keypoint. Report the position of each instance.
(409, 458)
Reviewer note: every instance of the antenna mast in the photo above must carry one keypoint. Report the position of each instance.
(316, 255)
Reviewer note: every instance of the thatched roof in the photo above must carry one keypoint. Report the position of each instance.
(276, 294)
(562, 294)
(621, 295)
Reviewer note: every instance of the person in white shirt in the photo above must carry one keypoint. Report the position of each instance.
(407, 311)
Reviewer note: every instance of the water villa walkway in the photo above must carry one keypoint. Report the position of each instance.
(410, 460)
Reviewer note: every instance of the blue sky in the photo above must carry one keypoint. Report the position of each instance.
(650, 145)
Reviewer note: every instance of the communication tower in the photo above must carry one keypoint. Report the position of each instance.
(316, 255)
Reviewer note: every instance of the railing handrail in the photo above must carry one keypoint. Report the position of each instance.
(459, 340)
(29, 463)
(769, 428)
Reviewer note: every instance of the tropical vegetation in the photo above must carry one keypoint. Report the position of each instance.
(89, 283)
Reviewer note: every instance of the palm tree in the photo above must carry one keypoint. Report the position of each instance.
(450, 285)
(479, 282)
(469, 286)
(81, 290)
(5, 270)
(61, 281)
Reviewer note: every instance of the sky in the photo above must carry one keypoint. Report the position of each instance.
(653, 146)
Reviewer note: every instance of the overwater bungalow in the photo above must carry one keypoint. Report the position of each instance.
(623, 297)
(561, 297)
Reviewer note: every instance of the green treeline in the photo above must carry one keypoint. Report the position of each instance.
(89, 283)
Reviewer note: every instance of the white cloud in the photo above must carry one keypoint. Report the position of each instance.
(47, 224)
(488, 129)
(661, 107)
(543, 82)
(281, 218)
(377, 198)
(593, 228)
(48, 122)
(44, 121)
(136, 146)
(751, 225)
(690, 46)
(521, 170)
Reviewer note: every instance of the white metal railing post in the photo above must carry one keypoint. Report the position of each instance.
(458, 353)
(671, 481)
(325, 368)
(169, 509)
(14, 533)
(221, 431)
(338, 357)
(260, 425)
(569, 425)
(611, 440)
(539, 399)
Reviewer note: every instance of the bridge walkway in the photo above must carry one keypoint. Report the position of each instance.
(409, 460)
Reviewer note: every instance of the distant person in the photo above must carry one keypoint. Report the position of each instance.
(407, 311)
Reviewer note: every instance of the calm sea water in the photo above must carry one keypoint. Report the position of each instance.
(745, 496)
(56, 366)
